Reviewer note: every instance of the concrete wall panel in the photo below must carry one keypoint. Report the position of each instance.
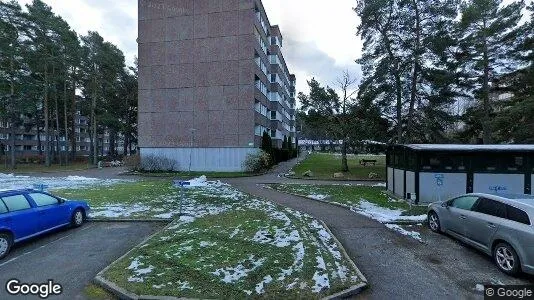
(499, 183)
(454, 184)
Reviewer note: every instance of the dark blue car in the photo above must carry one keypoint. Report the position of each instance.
(28, 213)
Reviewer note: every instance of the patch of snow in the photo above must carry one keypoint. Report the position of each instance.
(183, 285)
(234, 274)
(280, 238)
(321, 282)
(207, 244)
(117, 210)
(165, 216)
(139, 272)
(413, 234)
(318, 197)
(15, 182)
(382, 214)
(260, 287)
(234, 233)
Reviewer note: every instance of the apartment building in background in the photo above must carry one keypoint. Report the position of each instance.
(30, 144)
(212, 80)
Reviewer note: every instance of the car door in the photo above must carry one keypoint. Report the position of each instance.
(21, 218)
(52, 212)
(455, 214)
(483, 221)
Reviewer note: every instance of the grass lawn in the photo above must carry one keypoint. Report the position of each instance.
(235, 246)
(41, 168)
(93, 292)
(139, 199)
(324, 165)
(360, 198)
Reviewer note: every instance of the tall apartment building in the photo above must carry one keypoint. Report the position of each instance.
(212, 80)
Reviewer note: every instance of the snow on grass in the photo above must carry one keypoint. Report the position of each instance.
(117, 210)
(383, 214)
(370, 201)
(14, 182)
(413, 234)
(235, 245)
(260, 287)
(234, 274)
(135, 266)
(318, 197)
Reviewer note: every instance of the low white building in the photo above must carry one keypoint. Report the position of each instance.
(429, 173)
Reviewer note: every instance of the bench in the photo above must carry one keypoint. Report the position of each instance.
(366, 162)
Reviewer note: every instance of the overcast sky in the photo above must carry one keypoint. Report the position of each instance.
(319, 36)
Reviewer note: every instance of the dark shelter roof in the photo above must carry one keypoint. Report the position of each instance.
(469, 148)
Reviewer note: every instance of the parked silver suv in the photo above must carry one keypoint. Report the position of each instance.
(500, 226)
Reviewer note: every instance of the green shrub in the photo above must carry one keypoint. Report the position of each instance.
(257, 162)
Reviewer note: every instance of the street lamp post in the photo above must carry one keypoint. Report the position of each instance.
(191, 149)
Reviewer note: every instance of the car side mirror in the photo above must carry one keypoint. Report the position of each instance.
(445, 204)
(61, 201)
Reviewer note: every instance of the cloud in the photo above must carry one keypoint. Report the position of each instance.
(306, 60)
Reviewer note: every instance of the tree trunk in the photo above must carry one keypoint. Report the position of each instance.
(11, 113)
(46, 118)
(66, 143)
(57, 132)
(398, 85)
(344, 162)
(93, 122)
(398, 88)
(73, 115)
(415, 74)
(486, 126)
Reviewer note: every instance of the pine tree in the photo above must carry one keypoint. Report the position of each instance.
(284, 143)
(383, 60)
(488, 33)
(266, 142)
(15, 77)
(515, 122)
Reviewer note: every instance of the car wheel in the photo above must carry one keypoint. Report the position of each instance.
(77, 218)
(506, 259)
(433, 222)
(5, 244)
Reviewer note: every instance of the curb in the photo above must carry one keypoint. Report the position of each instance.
(399, 222)
(115, 289)
(119, 220)
(355, 289)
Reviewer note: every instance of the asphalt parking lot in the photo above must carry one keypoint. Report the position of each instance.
(71, 257)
